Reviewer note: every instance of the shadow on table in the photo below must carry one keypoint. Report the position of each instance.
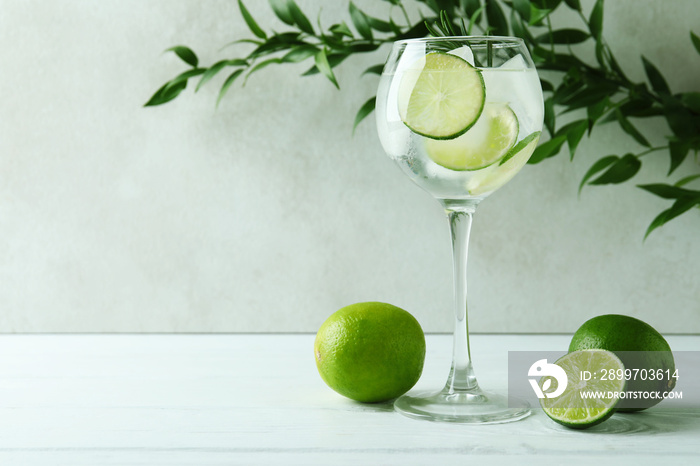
(382, 407)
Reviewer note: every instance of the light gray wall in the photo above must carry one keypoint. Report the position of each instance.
(267, 215)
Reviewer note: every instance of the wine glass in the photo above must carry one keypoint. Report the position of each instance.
(460, 116)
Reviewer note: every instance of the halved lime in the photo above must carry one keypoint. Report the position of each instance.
(485, 143)
(441, 96)
(594, 378)
(499, 174)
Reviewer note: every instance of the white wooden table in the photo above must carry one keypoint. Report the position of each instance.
(258, 400)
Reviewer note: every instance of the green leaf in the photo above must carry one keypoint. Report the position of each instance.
(299, 53)
(574, 132)
(215, 68)
(470, 6)
(568, 89)
(696, 41)
(334, 59)
(210, 73)
(261, 65)
(379, 24)
(537, 15)
(187, 75)
(299, 17)
(549, 4)
(564, 36)
(600, 54)
(366, 109)
(573, 4)
(679, 119)
(557, 61)
(687, 180)
(523, 8)
(586, 96)
(678, 151)
(595, 21)
(244, 41)
(657, 81)
(549, 115)
(628, 128)
(376, 69)
(621, 171)
(548, 149)
(616, 67)
(281, 9)
(341, 29)
(395, 28)
(475, 18)
(278, 42)
(255, 29)
(324, 66)
(594, 112)
(166, 93)
(596, 168)
(172, 88)
(692, 101)
(519, 29)
(360, 48)
(679, 207)
(669, 192)
(186, 54)
(227, 84)
(639, 107)
(498, 25)
(359, 19)
(437, 5)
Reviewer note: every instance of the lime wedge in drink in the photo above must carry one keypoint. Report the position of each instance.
(497, 175)
(441, 96)
(485, 143)
(529, 142)
(592, 375)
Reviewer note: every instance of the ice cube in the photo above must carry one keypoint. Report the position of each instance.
(515, 63)
(465, 53)
(519, 88)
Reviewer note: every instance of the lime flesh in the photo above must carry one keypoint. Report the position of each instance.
(441, 96)
(573, 408)
(485, 143)
(497, 175)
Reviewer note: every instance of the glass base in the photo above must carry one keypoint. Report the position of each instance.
(467, 407)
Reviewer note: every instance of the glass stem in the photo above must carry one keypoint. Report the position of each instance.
(461, 376)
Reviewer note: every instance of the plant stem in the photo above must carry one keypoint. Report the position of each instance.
(653, 149)
(405, 15)
(551, 35)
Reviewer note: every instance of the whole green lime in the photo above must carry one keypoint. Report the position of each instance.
(644, 352)
(370, 352)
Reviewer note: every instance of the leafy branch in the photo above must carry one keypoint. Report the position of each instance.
(587, 95)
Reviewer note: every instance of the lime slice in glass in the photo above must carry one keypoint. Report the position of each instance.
(592, 375)
(441, 96)
(497, 175)
(485, 143)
